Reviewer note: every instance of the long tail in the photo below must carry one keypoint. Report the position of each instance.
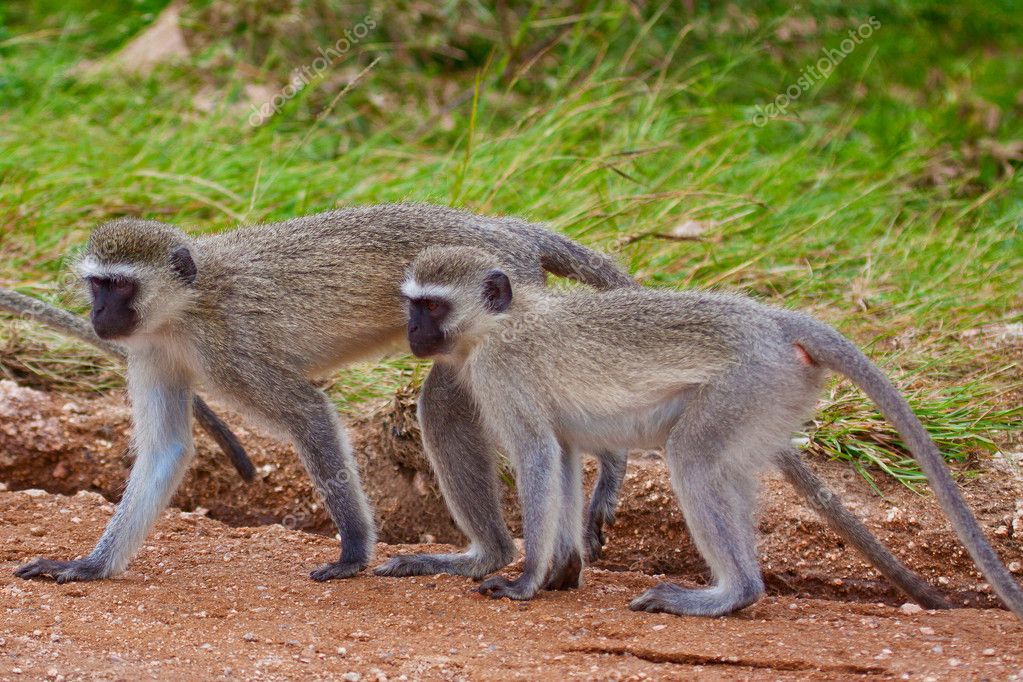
(561, 256)
(832, 350)
(828, 505)
(66, 323)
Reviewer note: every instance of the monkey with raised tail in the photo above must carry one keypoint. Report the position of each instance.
(254, 315)
(66, 323)
(720, 381)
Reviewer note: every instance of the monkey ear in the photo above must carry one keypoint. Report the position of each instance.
(183, 265)
(497, 293)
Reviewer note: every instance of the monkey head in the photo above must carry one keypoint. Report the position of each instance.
(451, 294)
(138, 275)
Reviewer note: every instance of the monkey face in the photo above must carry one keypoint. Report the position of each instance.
(112, 314)
(426, 326)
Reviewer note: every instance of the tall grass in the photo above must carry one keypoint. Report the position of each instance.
(885, 201)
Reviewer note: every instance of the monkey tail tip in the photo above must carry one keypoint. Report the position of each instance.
(240, 459)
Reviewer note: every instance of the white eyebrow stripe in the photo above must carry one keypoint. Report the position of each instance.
(90, 267)
(413, 289)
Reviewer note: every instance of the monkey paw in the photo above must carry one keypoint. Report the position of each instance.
(497, 587)
(594, 541)
(708, 601)
(566, 574)
(336, 570)
(465, 563)
(62, 571)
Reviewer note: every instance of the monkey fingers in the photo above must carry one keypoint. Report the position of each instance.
(337, 570)
(566, 574)
(521, 589)
(61, 571)
(469, 564)
(594, 539)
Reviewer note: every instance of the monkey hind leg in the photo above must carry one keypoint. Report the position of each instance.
(567, 567)
(604, 500)
(827, 504)
(717, 490)
(465, 465)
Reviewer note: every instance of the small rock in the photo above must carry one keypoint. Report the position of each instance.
(249, 637)
(926, 631)
(659, 627)
(37, 531)
(911, 609)
(34, 492)
(988, 652)
(60, 471)
(352, 677)
(341, 651)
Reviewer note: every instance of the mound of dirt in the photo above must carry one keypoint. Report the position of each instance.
(64, 445)
(204, 600)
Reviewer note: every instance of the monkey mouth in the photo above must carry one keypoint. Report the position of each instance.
(428, 348)
(110, 331)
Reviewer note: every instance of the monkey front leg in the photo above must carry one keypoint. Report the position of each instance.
(539, 470)
(465, 464)
(162, 440)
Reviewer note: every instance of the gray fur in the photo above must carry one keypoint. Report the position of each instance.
(271, 308)
(720, 381)
(66, 323)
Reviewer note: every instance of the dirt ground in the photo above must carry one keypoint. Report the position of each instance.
(222, 591)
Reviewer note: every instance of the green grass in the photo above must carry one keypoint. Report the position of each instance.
(886, 201)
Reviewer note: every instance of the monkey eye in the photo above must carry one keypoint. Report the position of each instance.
(431, 305)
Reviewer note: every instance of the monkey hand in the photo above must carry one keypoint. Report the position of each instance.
(521, 589)
(63, 571)
(469, 564)
(336, 570)
(565, 574)
(595, 540)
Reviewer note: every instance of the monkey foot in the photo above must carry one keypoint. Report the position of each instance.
(566, 575)
(519, 589)
(336, 570)
(594, 540)
(61, 571)
(465, 563)
(709, 601)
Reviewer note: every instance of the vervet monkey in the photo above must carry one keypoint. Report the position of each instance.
(253, 314)
(721, 382)
(66, 323)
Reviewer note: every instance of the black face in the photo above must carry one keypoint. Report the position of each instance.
(425, 318)
(112, 315)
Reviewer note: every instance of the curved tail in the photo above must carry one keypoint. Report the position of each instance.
(832, 350)
(561, 256)
(72, 325)
(826, 503)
